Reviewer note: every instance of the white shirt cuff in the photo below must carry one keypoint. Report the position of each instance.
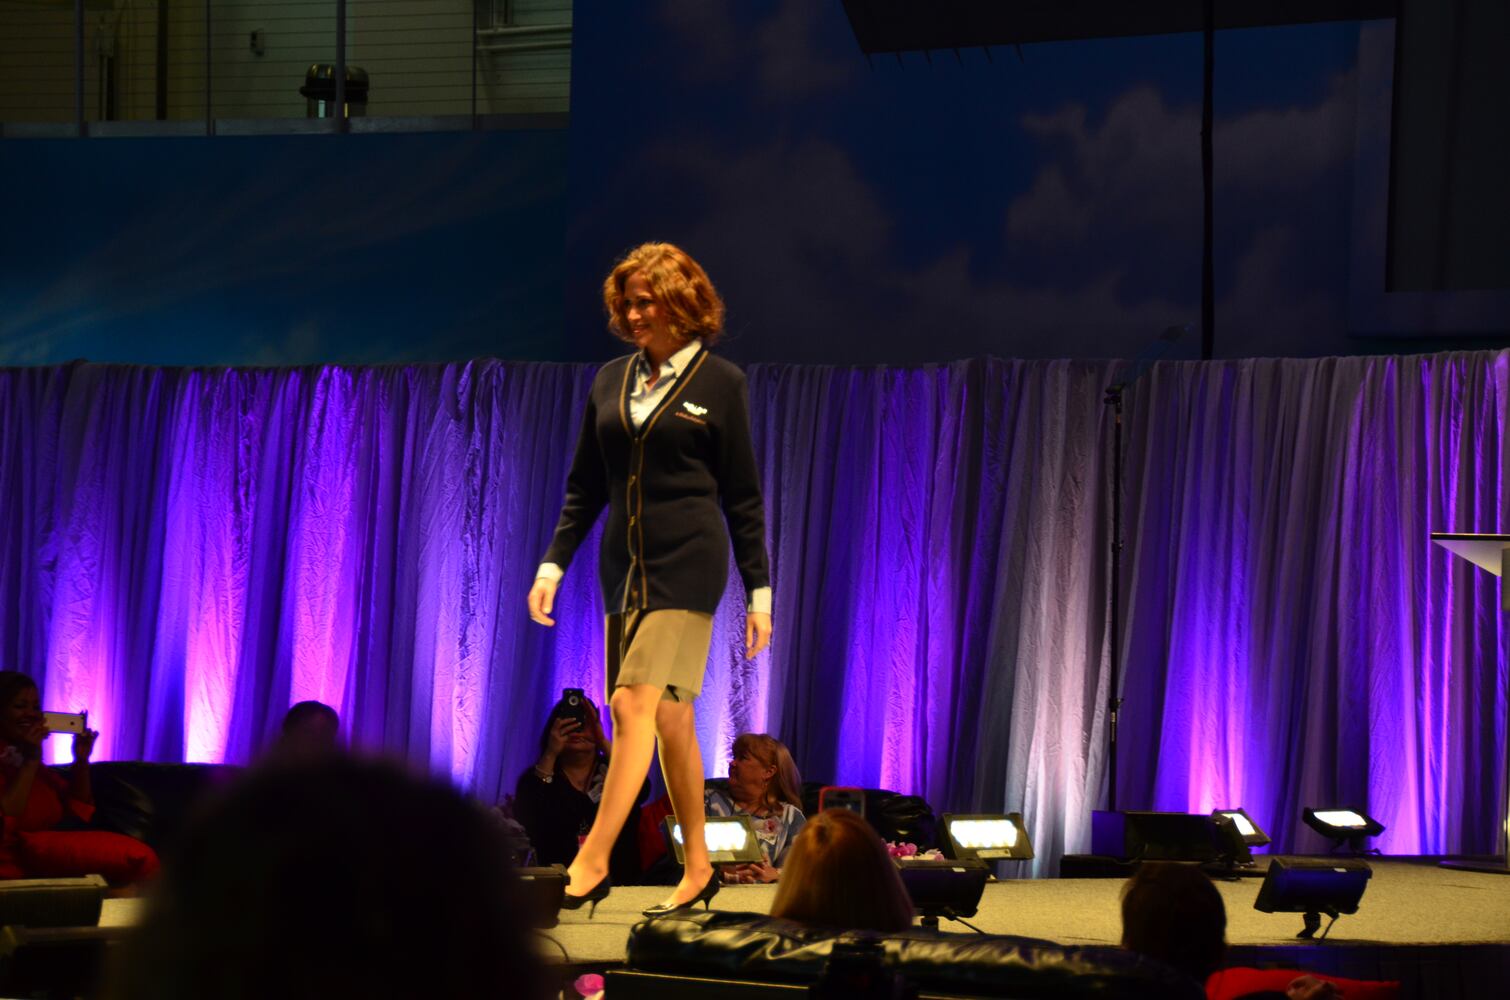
(760, 600)
(550, 571)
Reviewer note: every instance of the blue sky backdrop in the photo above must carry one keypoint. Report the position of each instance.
(1041, 204)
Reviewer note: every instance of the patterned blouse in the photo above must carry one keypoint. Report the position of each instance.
(775, 831)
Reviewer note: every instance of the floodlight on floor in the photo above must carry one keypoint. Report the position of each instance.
(1313, 886)
(948, 889)
(1138, 835)
(730, 839)
(987, 837)
(1252, 835)
(1343, 826)
(1233, 857)
(52, 902)
(540, 892)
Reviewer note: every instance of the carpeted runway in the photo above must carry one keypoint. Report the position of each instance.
(1407, 903)
(1441, 932)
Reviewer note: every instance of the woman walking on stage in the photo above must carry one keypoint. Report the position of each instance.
(665, 446)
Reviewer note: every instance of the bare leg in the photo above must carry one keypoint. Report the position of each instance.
(633, 710)
(682, 765)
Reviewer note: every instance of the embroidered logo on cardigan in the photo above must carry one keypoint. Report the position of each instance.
(693, 408)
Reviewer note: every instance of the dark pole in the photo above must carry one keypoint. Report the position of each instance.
(340, 108)
(476, 17)
(1208, 279)
(1114, 699)
(209, 74)
(160, 102)
(78, 67)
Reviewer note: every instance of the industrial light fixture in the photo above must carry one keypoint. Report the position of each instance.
(1313, 886)
(1251, 834)
(1233, 857)
(948, 889)
(730, 839)
(540, 892)
(987, 837)
(1343, 826)
(1136, 835)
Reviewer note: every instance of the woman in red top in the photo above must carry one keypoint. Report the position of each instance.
(36, 800)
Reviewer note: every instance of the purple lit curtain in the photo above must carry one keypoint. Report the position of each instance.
(187, 552)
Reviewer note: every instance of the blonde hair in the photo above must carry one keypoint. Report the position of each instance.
(681, 288)
(839, 874)
(786, 784)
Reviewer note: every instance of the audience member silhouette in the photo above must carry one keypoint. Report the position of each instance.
(311, 729)
(331, 879)
(839, 874)
(1172, 913)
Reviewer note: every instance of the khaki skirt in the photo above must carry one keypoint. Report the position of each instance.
(664, 648)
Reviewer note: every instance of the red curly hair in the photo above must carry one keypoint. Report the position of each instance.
(681, 287)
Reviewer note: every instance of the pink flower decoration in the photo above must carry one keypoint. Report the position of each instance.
(901, 850)
(588, 983)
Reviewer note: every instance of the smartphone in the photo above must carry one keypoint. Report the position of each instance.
(65, 722)
(841, 797)
(574, 702)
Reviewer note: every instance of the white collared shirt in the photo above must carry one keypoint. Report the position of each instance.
(643, 399)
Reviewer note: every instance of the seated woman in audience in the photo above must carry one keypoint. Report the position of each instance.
(839, 874)
(39, 805)
(764, 785)
(557, 797)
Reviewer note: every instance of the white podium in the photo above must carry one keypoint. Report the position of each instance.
(1490, 552)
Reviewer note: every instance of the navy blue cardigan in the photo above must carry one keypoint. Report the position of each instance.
(669, 487)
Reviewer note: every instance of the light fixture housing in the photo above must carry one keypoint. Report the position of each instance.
(1313, 886)
(730, 839)
(986, 837)
(1343, 825)
(1252, 835)
(948, 889)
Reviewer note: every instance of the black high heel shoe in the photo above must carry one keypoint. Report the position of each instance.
(709, 890)
(595, 895)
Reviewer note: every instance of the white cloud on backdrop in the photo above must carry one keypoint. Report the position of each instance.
(796, 219)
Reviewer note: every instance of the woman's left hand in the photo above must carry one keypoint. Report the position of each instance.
(762, 871)
(83, 744)
(757, 634)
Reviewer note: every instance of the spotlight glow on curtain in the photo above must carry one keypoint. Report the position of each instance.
(188, 552)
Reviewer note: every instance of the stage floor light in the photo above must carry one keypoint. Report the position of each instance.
(540, 891)
(730, 840)
(1252, 835)
(1343, 826)
(1313, 886)
(987, 837)
(947, 889)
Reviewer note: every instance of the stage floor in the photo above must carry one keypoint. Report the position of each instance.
(1407, 903)
(1418, 923)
